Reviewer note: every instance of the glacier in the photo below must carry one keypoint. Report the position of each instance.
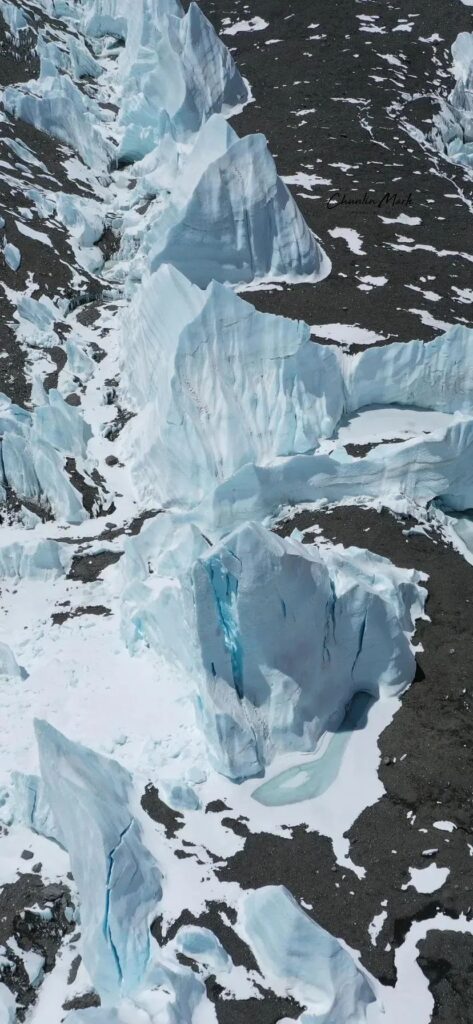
(33, 448)
(407, 477)
(222, 392)
(453, 125)
(304, 960)
(230, 218)
(54, 104)
(217, 385)
(119, 882)
(176, 73)
(287, 634)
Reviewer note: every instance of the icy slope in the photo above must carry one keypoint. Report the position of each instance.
(232, 219)
(118, 880)
(217, 385)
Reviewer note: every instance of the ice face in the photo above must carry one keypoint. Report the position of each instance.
(453, 126)
(176, 73)
(288, 633)
(311, 965)
(416, 472)
(119, 882)
(157, 592)
(9, 666)
(201, 945)
(7, 1005)
(31, 807)
(55, 105)
(31, 559)
(427, 375)
(33, 449)
(238, 224)
(12, 256)
(218, 385)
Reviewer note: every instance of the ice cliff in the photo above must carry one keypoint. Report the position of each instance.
(231, 218)
(277, 636)
(223, 394)
(217, 385)
(304, 960)
(119, 881)
(453, 126)
(33, 450)
(176, 73)
(288, 633)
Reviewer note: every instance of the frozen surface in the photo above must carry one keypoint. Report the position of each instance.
(306, 961)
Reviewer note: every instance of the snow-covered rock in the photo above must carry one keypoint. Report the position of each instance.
(217, 385)
(302, 959)
(119, 881)
(231, 218)
(288, 633)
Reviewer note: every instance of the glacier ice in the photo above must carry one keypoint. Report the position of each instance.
(179, 795)
(157, 592)
(176, 73)
(453, 125)
(304, 960)
(216, 385)
(32, 559)
(55, 105)
(435, 375)
(202, 945)
(233, 220)
(403, 476)
(12, 255)
(9, 666)
(31, 806)
(221, 391)
(119, 882)
(7, 1005)
(33, 449)
(287, 634)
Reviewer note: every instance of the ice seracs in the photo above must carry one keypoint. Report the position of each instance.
(288, 633)
(234, 220)
(217, 385)
(176, 73)
(119, 881)
(453, 126)
(303, 960)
